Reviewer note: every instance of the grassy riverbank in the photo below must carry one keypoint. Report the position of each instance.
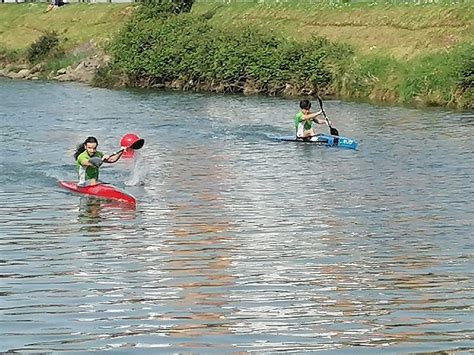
(405, 54)
(403, 31)
(22, 24)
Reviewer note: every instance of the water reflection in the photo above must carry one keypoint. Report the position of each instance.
(201, 246)
(93, 210)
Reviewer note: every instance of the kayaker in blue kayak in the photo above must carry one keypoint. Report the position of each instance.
(89, 159)
(304, 120)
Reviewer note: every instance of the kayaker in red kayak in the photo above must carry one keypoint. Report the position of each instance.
(89, 159)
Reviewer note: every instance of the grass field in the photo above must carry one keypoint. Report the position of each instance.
(401, 31)
(22, 24)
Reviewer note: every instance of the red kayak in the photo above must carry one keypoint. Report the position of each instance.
(105, 191)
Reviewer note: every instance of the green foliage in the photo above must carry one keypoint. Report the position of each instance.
(434, 79)
(465, 79)
(8, 55)
(42, 47)
(59, 62)
(375, 76)
(438, 78)
(108, 76)
(188, 49)
(156, 9)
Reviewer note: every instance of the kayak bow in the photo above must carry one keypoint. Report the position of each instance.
(101, 190)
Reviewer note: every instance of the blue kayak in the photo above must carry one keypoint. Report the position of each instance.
(323, 139)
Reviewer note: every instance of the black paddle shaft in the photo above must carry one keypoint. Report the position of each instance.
(332, 130)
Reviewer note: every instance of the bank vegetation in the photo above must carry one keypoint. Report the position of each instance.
(395, 53)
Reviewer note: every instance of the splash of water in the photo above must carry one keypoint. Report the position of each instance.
(137, 172)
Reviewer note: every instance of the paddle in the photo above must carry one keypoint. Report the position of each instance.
(332, 130)
(135, 146)
(96, 161)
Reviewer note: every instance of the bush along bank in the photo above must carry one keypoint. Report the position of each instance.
(439, 79)
(161, 47)
(184, 52)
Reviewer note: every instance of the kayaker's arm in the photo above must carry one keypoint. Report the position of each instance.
(95, 161)
(311, 116)
(314, 117)
(322, 121)
(112, 158)
(91, 162)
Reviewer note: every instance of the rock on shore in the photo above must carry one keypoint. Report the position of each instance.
(84, 71)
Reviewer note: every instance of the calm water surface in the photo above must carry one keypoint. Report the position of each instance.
(239, 243)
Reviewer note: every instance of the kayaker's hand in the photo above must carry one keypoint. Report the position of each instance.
(96, 161)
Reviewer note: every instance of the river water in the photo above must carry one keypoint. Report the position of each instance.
(239, 243)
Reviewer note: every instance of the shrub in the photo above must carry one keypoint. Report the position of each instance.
(42, 46)
(155, 9)
(441, 77)
(9, 56)
(189, 49)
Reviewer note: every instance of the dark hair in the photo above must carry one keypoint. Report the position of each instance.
(80, 148)
(305, 104)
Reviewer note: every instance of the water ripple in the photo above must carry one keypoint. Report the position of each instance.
(238, 243)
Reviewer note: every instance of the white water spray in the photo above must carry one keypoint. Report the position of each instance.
(137, 172)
